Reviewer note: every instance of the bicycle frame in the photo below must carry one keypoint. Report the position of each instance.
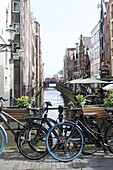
(80, 122)
(48, 121)
(5, 121)
(91, 132)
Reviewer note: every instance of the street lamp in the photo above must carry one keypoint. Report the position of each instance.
(11, 33)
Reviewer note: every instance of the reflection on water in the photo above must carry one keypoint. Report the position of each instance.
(56, 99)
(51, 94)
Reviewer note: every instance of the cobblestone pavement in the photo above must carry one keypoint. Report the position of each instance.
(15, 161)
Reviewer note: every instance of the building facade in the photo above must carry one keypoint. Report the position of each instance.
(29, 60)
(6, 68)
(84, 57)
(95, 52)
(5, 72)
(69, 64)
(110, 13)
(25, 55)
(107, 64)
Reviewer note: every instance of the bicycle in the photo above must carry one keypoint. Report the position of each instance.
(89, 119)
(38, 133)
(71, 142)
(30, 126)
(3, 134)
(104, 128)
(107, 128)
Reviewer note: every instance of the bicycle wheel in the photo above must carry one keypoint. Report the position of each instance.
(67, 141)
(91, 145)
(3, 140)
(31, 142)
(109, 137)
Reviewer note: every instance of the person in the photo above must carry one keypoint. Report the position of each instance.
(96, 91)
(101, 91)
(89, 91)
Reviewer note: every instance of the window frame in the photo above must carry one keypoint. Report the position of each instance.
(16, 2)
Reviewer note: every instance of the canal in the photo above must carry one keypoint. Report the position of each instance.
(56, 99)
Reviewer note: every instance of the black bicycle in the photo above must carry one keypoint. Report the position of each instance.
(30, 137)
(34, 135)
(75, 136)
(105, 129)
(31, 125)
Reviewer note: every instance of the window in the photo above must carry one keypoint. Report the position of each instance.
(15, 6)
(16, 27)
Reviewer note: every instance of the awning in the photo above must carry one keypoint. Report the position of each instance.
(108, 87)
(93, 81)
(76, 81)
(88, 81)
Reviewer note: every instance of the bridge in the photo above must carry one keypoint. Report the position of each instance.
(50, 82)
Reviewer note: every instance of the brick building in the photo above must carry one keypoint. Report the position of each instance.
(26, 66)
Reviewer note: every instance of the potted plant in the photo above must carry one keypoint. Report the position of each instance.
(78, 101)
(23, 101)
(108, 101)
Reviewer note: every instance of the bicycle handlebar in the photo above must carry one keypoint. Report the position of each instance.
(2, 99)
(47, 108)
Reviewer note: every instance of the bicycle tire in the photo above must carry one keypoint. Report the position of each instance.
(3, 140)
(30, 148)
(67, 141)
(109, 137)
(90, 145)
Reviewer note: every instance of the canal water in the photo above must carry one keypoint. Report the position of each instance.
(56, 99)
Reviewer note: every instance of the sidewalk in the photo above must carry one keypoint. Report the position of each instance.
(97, 161)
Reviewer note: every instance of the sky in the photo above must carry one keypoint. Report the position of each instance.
(61, 24)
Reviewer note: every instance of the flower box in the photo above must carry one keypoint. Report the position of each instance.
(102, 114)
(17, 113)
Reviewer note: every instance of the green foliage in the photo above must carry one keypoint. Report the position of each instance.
(77, 102)
(23, 101)
(79, 98)
(108, 102)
